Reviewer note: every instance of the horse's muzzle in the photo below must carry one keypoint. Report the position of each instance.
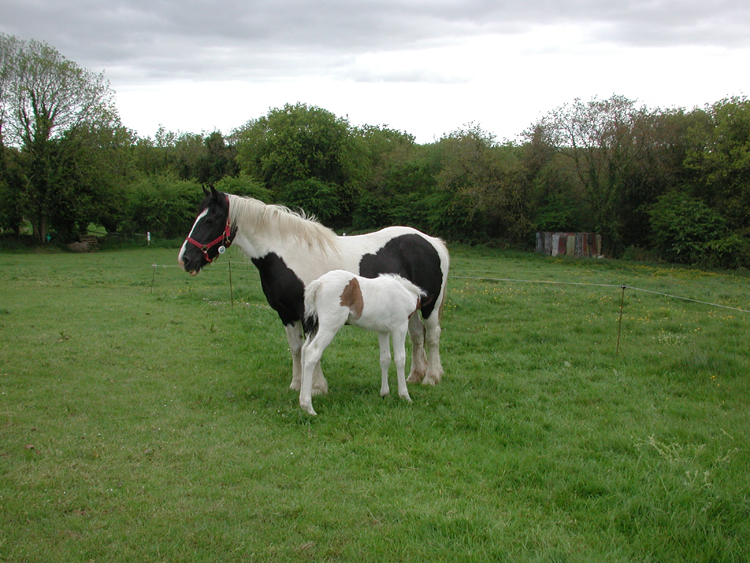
(193, 271)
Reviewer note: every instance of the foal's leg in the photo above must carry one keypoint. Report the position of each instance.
(418, 357)
(312, 351)
(399, 355)
(385, 361)
(296, 338)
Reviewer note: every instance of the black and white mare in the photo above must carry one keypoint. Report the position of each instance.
(290, 251)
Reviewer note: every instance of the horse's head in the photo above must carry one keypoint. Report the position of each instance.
(211, 234)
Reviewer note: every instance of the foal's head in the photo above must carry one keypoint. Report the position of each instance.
(211, 233)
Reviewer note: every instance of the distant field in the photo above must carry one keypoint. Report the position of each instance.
(142, 418)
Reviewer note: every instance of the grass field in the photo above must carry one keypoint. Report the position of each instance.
(142, 418)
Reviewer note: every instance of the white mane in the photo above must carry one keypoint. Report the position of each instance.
(279, 221)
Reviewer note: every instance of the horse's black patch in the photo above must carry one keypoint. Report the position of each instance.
(411, 257)
(284, 291)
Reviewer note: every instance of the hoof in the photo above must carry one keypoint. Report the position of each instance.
(432, 379)
(415, 377)
(320, 387)
(308, 409)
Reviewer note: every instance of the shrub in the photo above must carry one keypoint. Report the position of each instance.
(314, 197)
(163, 205)
(686, 230)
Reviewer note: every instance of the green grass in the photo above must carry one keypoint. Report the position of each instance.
(144, 419)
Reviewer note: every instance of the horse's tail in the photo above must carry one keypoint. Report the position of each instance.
(310, 318)
(415, 290)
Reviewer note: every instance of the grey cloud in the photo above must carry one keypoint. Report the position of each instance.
(208, 39)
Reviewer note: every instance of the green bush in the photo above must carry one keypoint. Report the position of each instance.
(732, 251)
(163, 205)
(687, 231)
(454, 217)
(371, 212)
(313, 196)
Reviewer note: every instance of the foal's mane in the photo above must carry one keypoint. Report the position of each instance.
(277, 220)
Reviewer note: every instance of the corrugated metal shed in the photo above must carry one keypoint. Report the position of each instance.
(571, 244)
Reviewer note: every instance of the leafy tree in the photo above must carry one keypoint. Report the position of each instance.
(191, 156)
(243, 185)
(150, 158)
(555, 202)
(11, 190)
(600, 139)
(300, 143)
(11, 174)
(662, 138)
(393, 179)
(720, 158)
(45, 96)
(163, 205)
(219, 160)
(313, 197)
(481, 188)
(296, 142)
(188, 155)
(96, 168)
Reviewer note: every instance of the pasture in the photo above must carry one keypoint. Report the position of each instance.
(143, 418)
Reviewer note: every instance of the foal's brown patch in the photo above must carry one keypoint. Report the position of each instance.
(352, 297)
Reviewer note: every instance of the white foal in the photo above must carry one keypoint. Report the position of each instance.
(383, 305)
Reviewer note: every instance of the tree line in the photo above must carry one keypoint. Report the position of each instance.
(671, 184)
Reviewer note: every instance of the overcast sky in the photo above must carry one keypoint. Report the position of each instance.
(427, 67)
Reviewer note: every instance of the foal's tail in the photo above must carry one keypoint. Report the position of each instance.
(310, 319)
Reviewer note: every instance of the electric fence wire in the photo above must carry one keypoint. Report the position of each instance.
(516, 280)
(623, 286)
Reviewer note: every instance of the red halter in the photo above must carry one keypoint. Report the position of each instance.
(224, 239)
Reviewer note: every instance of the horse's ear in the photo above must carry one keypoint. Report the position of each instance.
(205, 191)
(214, 193)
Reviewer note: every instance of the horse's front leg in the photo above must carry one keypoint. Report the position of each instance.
(296, 338)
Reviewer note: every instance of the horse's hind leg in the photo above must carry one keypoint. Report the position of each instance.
(432, 338)
(296, 338)
(418, 357)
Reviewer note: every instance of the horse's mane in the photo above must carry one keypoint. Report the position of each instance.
(277, 220)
